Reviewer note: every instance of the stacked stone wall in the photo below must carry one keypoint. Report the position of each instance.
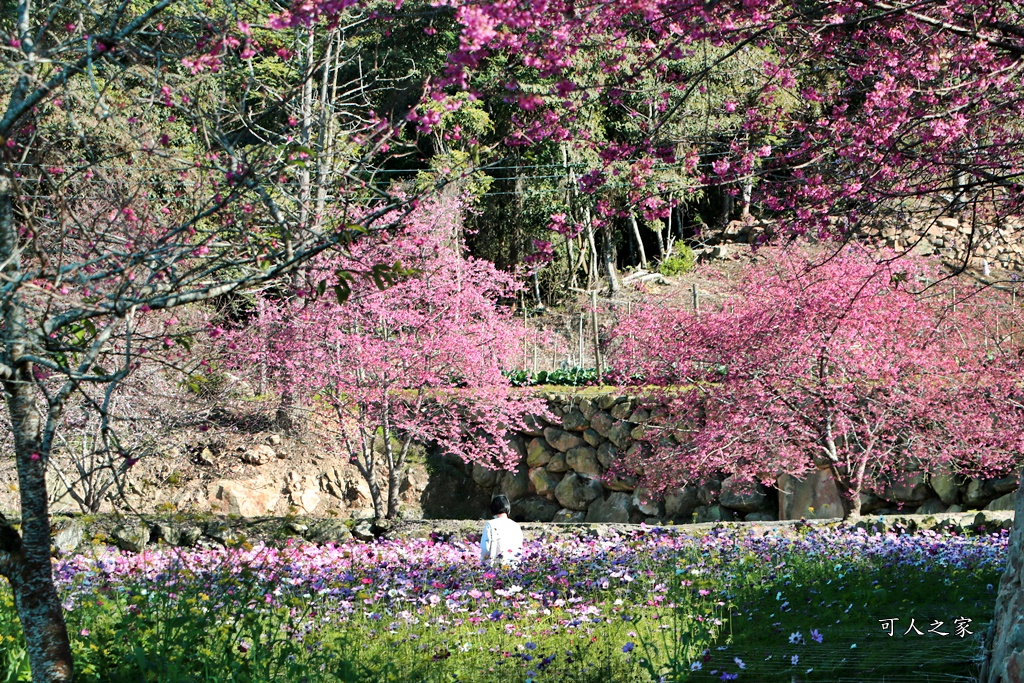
(567, 474)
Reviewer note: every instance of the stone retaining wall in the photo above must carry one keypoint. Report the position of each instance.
(565, 476)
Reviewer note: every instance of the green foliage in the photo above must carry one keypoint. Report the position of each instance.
(570, 377)
(679, 263)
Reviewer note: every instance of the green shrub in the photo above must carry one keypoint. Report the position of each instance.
(679, 263)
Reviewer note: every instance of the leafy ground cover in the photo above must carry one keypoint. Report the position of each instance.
(783, 603)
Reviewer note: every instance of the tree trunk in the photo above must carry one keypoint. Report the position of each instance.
(639, 240)
(1004, 641)
(376, 495)
(609, 258)
(25, 559)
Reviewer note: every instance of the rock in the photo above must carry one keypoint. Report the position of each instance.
(681, 502)
(189, 536)
(994, 519)
(533, 425)
(273, 440)
(592, 438)
(977, 494)
(955, 508)
(648, 503)
(713, 513)
(759, 517)
(945, 486)
(576, 492)
(608, 400)
(638, 416)
(574, 421)
(813, 497)
(558, 464)
(744, 496)
(931, 506)
(543, 482)
(638, 432)
(68, 534)
(583, 460)
(258, 455)
(518, 444)
(588, 408)
(363, 531)
(613, 509)
(707, 493)
(222, 533)
(483, 476)
(565, 516)
(869, 502)
(907, 488)
(515, 485)
(235, 498)
(205, 457)
(166, 532)
(302, 492)
(619, 435)
(537, 453)
(561, 440)
(602, 423)
(1004, 502)
(1004, 485)
(621, 411)
(298, 528)
(132, 536)
(380, 527)
(607, 454)
(534, 509)
(625, 483)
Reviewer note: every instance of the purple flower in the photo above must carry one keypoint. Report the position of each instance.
(816, 635)
(628, 647)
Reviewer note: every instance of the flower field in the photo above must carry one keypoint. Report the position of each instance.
(795, 603)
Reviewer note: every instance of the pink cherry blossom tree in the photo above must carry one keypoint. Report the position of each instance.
(417, 359)
(850, 365)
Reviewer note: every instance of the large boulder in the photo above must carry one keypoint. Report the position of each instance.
(593, 438)
(931, 506)
(484, 477)
(602, 423)
(1004, 502)
(68, 534)
(132, 536)
(516, 484)
(909, 487)
(558, 464)
(647, 503)
(681, 502)
(576, 492)
(977, 493)
(588, 408)
(613, 509)
(543, 482)
(621, 411)
(815, 496)
(744, 496)
(708, 492)
(583, 460)
(607, 454)
(561, 440)
(945, 486)
(246, 499)
(537, 453)
(620, 434)
(574, 420)
(329, 531)
(534, 509)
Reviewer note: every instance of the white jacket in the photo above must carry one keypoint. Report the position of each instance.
(501, 543)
